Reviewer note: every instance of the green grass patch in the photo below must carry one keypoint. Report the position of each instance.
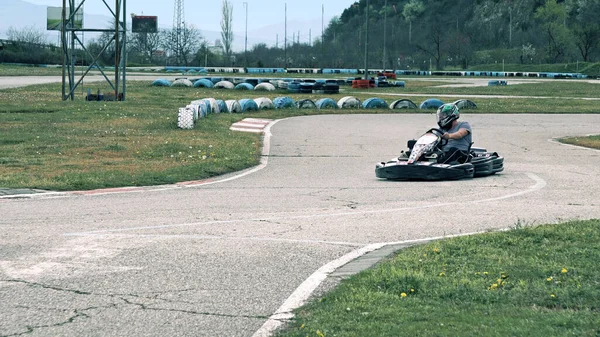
(34, 70)
(588, 141)
(534, 281)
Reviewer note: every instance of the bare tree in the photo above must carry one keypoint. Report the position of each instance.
(27, 35)
(184, 47)
(226, 28)
(146, 44)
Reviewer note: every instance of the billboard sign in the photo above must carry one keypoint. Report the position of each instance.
(54, 21)
(144, 24)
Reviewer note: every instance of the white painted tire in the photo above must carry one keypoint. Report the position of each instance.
(233, 106)
(264, 103)
(265, 86)
(224, 85)
(349, 102)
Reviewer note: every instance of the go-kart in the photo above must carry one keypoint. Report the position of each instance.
(420, 162)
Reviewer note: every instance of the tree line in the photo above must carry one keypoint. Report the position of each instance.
(402, 34)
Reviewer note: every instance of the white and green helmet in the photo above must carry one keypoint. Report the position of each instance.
(446, 114)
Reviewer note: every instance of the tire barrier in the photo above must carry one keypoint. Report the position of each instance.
(264, 103)
(294, 87)
(204, 107)
(282, 84)
(306, 87)
(326, 103)
(306, 104)
(182, 82)
(284, 103)
(216, 80)
(188, 116)
(497, 83)
(327, 88)
(222, 106)
(362, 84)
(203, 83)
(374, 103)
(265, 86)
(224, 85)
(403, 104)
(349, 102)
(465, 104)
(252, 81)
(233, 106)
(432, 103)
(214, 106)
(248, 105)
(244, 86)
(161, 82)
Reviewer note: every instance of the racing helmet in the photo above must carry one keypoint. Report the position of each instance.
(446, 114)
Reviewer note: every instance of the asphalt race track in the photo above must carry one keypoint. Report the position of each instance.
(219, 259)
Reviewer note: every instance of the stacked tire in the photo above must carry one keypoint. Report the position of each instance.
(326, 88)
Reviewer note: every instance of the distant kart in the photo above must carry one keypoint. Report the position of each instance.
(420, 162)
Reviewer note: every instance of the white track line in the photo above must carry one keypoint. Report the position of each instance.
(539, 184)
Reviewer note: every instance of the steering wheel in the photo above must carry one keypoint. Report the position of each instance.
(439, 133)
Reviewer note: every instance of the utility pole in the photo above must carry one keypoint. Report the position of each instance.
(246, 39)
(285, 39)
(367, 42)
(384, 32)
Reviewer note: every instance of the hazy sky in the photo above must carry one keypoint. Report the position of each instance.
(206, 14)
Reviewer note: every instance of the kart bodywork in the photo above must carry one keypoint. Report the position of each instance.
(420, 162)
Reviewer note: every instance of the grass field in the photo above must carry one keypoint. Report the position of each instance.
(79, 145)
(589, 141)
(533, 281)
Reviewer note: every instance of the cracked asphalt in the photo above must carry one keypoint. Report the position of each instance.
(220, 259)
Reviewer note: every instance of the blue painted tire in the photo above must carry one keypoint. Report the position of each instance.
(374, 103)
(248, 105)
(161, 82)
(203, 83)
(432, 103)
(244, 86)
(326, 103)
(284, 103)
(222, 105)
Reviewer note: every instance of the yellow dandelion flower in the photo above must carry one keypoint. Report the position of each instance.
(302, 326)
(320, 334)
(564, 270)
(552, 295)
(485, 273)
(412, 290)
(436, 250)
(549, 279)
(498, 281)
(442, 274)
(403, 295)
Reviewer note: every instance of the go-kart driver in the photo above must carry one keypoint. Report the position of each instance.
(457, 133)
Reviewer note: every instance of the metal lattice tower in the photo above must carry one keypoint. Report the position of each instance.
(178, 27)
(72, 44)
